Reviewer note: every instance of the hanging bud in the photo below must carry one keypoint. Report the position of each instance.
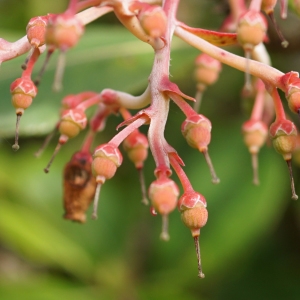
(197, 131)
(107, 158)
(153, 20)
(207, 71)
(293, 96)
(136, 145)
(192, 206)
(79, 186)
(255, 135)
(63, 31)
(35, 31)
(268, 7)
(23, 91)
(163, 194)
(284, 136)
(194, 215)
(251, 31)
(72, 122)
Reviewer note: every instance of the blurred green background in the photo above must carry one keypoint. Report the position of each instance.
(250, 246)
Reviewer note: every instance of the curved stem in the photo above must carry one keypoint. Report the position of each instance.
(90, 102)
(186, 184)
(266, 73)
(280, 114)
(181, 103)
(257, 110)
(121, 136)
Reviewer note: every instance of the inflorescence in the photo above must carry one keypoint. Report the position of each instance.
(155, 23)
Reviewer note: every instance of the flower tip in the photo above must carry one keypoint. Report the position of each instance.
(215, 180)
(295, 197)
(201, 275)
(15, 147)
(164, 236)
(284, 44)
(94, 216)
(256, 181)
(145, 201)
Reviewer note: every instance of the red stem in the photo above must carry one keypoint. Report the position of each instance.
(72, 7)
(257, 110)
(90, 102)
(125, 113)
(34, 57)
(279, 111)
(86, 147)
(181, 103)
(186, 184)
(121, 136)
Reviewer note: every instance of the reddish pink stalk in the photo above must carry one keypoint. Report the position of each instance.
(90, 102)
(280, 114)
(186, 184)
(121, 136)
(255, 5)
(257, 110)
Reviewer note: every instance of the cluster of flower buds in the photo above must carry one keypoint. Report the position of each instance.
(156, 24)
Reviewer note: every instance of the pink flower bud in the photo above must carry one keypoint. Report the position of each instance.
(207, 69)
(293, 95)
(136, 145)
(284, 137)
(251, 29)
(153, 20)
(196, 130)
(36, 29)
(22, 90)
(72, 122)
(255, 134)
(63, 31)
(194, 215)
(107, 158)
(163, 194)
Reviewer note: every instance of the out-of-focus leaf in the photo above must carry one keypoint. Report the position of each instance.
(29, 233)
(44, 287)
